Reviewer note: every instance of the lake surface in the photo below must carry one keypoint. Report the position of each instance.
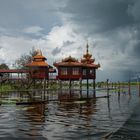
(74, 120)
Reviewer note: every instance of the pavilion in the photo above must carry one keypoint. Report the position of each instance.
(71, 69)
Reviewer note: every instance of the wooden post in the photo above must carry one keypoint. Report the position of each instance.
(18, 79)
(138, 82)
(87, 82)
(129, 88)
(34, 86)
(119, 89)
(60, 84)
(47, 84)
(107, 85)
(108, 104)
(94, 89)
(112, 85)
(70, 86)
(44, 88)
(80, 88)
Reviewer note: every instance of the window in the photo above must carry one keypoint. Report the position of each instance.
(75, 71)
(64, 71)
(84, 72)
(91, 71)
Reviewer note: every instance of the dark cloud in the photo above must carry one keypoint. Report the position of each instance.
(67, 43)
(136, 50)
(100, 15)
(116, 25)
(112, 26)
(16, 15)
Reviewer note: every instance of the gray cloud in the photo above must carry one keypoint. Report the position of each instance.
(115, 25)
(17, 15)
(67, 43)
(56, 51)
(112, 28)
(136, 50)
(100, 15)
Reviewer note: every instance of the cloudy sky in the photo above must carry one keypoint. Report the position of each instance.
(62, 27)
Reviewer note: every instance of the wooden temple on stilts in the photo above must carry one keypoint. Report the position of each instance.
(89, 69)
(39, 71)
(35, 77)
(70, 69)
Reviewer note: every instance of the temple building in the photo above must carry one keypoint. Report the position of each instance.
(88, 65)
(38, 68)
(69, 69)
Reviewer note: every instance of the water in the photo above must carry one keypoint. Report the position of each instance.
(73, 120)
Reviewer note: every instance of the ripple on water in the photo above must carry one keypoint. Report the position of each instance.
(80, 120)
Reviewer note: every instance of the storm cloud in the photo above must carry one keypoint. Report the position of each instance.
(62, 28)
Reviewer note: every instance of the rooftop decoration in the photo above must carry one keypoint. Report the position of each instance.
(87, 59)
(38, 60)
(68, 61)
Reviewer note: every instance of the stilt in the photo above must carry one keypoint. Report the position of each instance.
(112, 85)
(34, 86)
(60, 85)
(47, 84)
(44, 88)
(87, 88)
(129, 88)
(108, 104)
(94, 90)
(70, 87)
(107, 85)
(138, 82)
(80, 88)
(87, 74)
(119, 89)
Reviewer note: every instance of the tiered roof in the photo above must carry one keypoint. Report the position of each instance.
(68, 61)
(88, 61)
(38, 60)
(87, 58)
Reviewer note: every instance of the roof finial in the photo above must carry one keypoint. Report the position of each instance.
(87, 46)
(39, 52)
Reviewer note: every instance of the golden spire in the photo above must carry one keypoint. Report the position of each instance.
(87, 57)
(39, 52)
(87, 47)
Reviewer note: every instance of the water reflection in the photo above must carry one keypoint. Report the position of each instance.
(70, 103)
(68, 118)
(36, 112)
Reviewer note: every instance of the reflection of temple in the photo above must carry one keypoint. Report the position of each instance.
(36, 112)
(85, 108)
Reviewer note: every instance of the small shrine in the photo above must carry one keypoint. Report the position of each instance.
(88, 67)
(38, 68)
(69, 69)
